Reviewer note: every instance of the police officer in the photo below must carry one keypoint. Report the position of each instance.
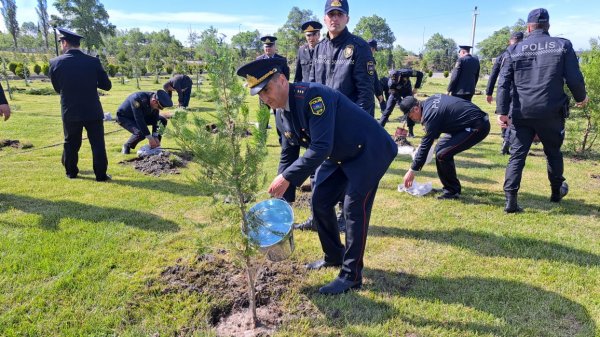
(351, 151)
(400, 87)
(463, 125)
(269, 47)
(4, 107)
(514, 38)
(183, 85)
(376, 83)
(77, 77)
(534, 73)
(139, 110)
(464, 75)
(385, 88)
(344, 61)
(312, 33)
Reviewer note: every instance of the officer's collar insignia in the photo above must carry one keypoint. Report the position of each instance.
(287, 134)
(136, 104)
(253, 81)
(317, 106)
(349, 51)
(336, 3)
(371, 68)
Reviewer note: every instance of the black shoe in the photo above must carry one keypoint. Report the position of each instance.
(105, 178)
(316, 265)
(411, 135)
(125, 149)
(511, 204)
(71, 176)
(558, 194)
(307, 225)
(340, 286)
(447, 195)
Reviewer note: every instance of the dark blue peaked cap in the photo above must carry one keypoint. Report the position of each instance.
(68, 35)
(257, 73)
(538, 15)
(311, 26)
(163, 99)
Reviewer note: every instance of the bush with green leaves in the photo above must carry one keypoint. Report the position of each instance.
(446, 73)
(169, 70)
(430, 73)
(41, 91)
(22, 71)
(12, 66)
(37, 69)
(46, 69)
(112, 70)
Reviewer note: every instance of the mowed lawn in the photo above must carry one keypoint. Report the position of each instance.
(77, 257)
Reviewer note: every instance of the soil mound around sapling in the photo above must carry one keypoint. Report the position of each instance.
(14, 143)
(226, 287)
(302, 199)
(159, 164)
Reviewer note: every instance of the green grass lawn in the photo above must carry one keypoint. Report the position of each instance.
(77, 257)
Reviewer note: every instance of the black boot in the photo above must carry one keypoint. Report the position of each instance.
(511, 204)
(559, 193)
(410, 132)
(125, 149)
(307, 225)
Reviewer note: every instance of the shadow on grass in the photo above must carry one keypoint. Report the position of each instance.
(53, 211)
(162, 185)
(487, 244)
(520, 309)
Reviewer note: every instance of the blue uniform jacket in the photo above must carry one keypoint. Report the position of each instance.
(180, 83)
(2, 96)
(444, 114)
(464, 76)
(286, 69)
(336, 133)
(137, 107)
(538, 67)
(400, 81)
(489, 91)
(304, 63)
(346, 64)
(76, 77)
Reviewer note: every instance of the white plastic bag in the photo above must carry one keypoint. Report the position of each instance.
(417, 189)
(405, 150)
(146, 151)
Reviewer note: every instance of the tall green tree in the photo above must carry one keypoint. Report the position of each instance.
(290, 36)
(9, 13)
(440, 52)
(375, 27)
(248, 43)
(44, 19)
(87, 17)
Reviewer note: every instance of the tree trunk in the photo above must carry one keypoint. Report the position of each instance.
(586, 133)
(251, 277)
(7, 82)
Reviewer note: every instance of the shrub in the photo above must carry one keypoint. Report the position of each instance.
(430, 73)
(22, 71)
(37, 69)
(46, 69)
(41, 92)
(112, 70)
(446, 73)
(169, 70)
(12, 66)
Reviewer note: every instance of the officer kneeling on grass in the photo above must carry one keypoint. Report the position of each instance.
(138, 111)
(463, 125)
(350, 149)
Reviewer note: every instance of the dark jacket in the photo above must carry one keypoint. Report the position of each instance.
(464, 76)
(489, 91)
(346, 64)
(137, 107)
(304, 63)
(180, 83)
(76, 77)
(534, 74)
(336, 133)
(400, 83)
(286, 70)
(2, 96)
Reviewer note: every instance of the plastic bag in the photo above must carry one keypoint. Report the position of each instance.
(406, 150)
(417, 189)
(146, 151)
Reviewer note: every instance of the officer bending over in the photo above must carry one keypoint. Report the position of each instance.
(350, 149)
(183, 85)
(399, 87)
(463, 125)
(138, 111)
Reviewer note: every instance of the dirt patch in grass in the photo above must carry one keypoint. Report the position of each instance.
(302, 199)
(215, 276)
(595, 176)
(14, 143)
(159, 164)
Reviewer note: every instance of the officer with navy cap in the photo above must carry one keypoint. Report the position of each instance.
(515, 37)
(304, 59)
(139, 110)
(350, 149)
(77, 78)
(344, 61)
(376, 83)
(269, 48)
(399, 87)
(182, 84)
(464, 75)
(462, 124)
(4, 107)
(534, 73)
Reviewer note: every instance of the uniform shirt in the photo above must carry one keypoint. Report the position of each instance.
(337, 134)
(400, 81)
(346, 64)
(444, 114)
(137, 107)
(304, 63)
(76, 77)
(180, 83)
(464, 76)
(286, 69)
(2, 96)
(538, 67)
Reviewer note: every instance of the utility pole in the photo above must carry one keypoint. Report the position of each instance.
(475, 13)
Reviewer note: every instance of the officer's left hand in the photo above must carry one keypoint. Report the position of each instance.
(278, 186)
(503, 121)
(408, 178)
(582, 103)
(5, 111)
(489, 99)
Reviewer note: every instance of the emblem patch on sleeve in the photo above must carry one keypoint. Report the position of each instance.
(371, 67)
(317, 106)
(348, 51)
(136, 104)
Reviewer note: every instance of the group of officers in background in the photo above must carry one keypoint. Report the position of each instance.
(330, 110)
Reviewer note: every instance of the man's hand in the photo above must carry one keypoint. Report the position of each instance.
(154, 142)
(489, 99)
(503, 121)
(449, 93)
(414, 92)
(5, 111)
(582, 103)
(278, 186)
(408, 178)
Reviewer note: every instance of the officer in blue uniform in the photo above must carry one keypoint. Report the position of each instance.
(77, 77)
(348, 149)
(464, 75)
(183, 85)
(463, 125)
(385, 88)
(139, 110)
(304, 59)
(4, 107)
(344, 61)
(269, 48)
(514, 38)
(376, 83)
(534, 74)
(400, 86)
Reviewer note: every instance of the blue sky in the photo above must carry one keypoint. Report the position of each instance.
(412, 23)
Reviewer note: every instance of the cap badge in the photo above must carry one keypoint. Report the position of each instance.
(336, 3)
(253, 81)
